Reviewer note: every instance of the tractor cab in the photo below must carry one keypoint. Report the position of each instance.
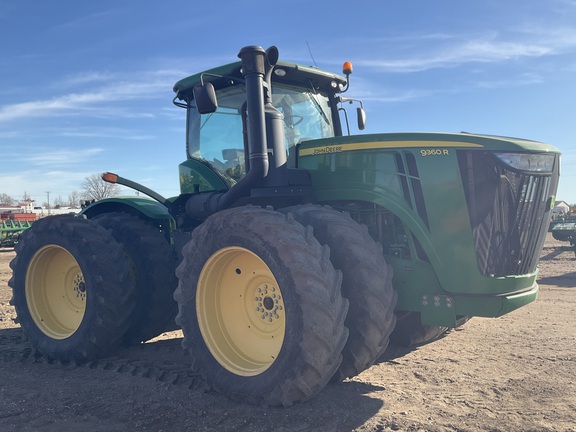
(218, 138)
(217, 142)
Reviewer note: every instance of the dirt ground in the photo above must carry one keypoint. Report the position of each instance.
(514, 373)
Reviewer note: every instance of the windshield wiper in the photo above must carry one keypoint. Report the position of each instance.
(319, 108)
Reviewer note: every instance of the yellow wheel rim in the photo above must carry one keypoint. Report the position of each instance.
(240, 311)
(55, 292)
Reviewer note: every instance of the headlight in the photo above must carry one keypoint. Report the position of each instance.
(533, 162)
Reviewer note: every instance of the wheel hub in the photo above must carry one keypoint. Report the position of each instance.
(268, 303)
(80, 286)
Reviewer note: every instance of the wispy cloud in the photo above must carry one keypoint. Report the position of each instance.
(393, 96)
(444, 51)
(522, 80)
(57, 157)
(376, 92)
(84, 21)
(85, 78)
(475, 51)
(124, 134)
(99, 101)
(69, 104)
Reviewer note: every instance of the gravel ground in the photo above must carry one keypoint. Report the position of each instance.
(514, 373)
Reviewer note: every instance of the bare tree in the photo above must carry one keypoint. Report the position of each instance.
(74, 199)
(94, 188)
(7, 200)
(58, 202)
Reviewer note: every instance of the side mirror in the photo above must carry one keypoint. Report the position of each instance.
(361, 118)
(205, 97)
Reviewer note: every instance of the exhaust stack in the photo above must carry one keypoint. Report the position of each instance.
(266, 141)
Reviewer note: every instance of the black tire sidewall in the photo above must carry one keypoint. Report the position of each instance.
(154, 262)
(367, 283)
(98, 279)
(291, 351)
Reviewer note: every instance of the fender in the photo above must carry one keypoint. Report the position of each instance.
(143, 207)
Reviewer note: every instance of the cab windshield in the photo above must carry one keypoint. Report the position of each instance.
(217, 137)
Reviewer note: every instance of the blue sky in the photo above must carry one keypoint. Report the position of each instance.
(86, 87)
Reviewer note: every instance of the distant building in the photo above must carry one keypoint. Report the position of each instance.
(560, 208)
(10, 209)
(27, 205)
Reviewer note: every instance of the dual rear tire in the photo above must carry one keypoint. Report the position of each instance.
(153, 262)
(72, 289)
(83, 287)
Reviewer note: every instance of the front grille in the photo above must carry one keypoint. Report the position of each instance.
(509, 212)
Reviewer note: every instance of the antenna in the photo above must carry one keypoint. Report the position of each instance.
(310, 51)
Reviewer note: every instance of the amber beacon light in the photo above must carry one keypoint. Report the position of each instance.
(347, 68)
(110, 177)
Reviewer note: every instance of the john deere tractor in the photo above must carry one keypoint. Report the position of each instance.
(295, 251)
(565, 230)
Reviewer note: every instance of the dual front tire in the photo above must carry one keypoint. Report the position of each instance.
(367, 284)
(260, 307)
(265, 310)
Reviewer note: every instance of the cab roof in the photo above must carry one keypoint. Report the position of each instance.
(297, 75)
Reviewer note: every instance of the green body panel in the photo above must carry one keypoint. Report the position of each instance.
(446, 282)
(419, 289)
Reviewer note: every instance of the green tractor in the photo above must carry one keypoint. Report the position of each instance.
(295, 251)
(565, 230)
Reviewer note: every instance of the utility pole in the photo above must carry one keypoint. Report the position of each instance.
(48, 195)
